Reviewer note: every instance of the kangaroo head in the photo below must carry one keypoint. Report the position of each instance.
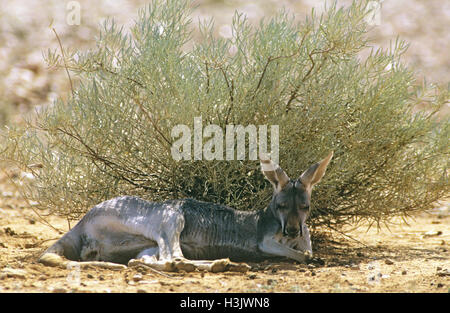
(291, 198)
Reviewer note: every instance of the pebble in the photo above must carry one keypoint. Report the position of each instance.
(432, 233)
(388, 261)
(14, 273)
(137, 277)
(59, 290)
(404, 272)
(271, 282)
(252, 276)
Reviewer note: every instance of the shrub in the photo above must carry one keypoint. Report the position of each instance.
(113, 136)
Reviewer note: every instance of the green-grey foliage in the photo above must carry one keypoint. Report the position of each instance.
(113, 136)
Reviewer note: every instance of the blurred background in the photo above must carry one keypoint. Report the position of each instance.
(26, 32)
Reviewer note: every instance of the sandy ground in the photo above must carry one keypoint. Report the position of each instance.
(408, 258)
(412, 258)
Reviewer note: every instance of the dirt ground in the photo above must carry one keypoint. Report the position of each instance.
(412, 258)
(406, 258)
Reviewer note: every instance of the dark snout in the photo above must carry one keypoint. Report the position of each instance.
(292, 231)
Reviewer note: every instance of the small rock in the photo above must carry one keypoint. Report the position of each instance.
(274, 270)
(440, 285)
(432, 233)
(9, 231)
(404, 272)
(137, 277)
(59, 290)
(90, 276)
(388, 261)
(271, 282)
(141, 291)
(318, 261)
(442, 272)
(252, 276)
(101, 277)
(15, 273)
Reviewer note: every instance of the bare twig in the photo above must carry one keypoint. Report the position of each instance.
(348, 236)
(270, 59)
(114, 73)
(207, 77)
(308, 73)
(64, 60)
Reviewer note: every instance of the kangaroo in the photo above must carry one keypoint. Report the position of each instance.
(188, 234)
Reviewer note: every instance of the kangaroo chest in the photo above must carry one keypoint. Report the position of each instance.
(219, 233)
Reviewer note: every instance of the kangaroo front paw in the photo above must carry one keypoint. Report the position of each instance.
(238, 267)
(184, 265)
(308, 255)
(219, 265)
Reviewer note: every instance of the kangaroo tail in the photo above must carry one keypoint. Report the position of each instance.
(68, 246)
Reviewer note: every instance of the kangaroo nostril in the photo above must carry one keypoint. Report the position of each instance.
(292, 232)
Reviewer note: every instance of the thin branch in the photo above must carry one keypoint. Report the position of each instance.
(231, 91)
(152, 122)
(348, 236)
(114, 73)
(308, 73)
(270, 59)
(207, 77)
(64, 60)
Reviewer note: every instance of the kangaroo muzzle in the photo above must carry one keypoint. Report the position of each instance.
(292, 232)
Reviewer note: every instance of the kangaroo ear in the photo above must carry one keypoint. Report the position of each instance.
(314, 174)
(273, 172)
